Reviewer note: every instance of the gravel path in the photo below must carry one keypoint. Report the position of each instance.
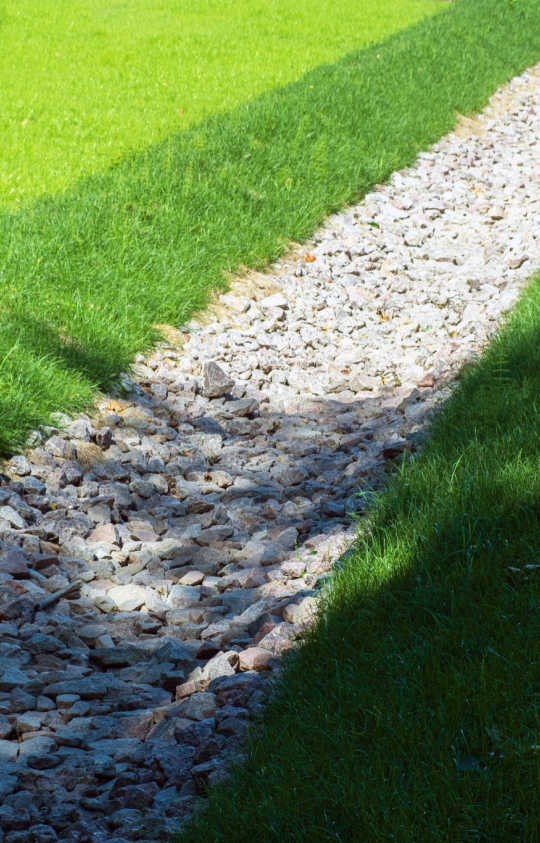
(157, 558)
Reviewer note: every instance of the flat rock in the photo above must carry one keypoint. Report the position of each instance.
(127, 597)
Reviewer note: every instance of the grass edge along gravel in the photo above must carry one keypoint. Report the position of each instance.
(411, 713)
(86, 275)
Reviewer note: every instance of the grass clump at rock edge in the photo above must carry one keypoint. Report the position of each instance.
(412, 711)
(87, 274)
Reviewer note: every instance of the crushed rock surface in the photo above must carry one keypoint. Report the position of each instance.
(157, 558)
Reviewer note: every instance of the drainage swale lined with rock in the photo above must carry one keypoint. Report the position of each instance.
(158, 558)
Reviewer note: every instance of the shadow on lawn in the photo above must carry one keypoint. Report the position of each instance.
(411, 712)
(418, 717)
(98, 365)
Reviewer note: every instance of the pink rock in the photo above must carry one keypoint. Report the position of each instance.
(264, 630)
(255, 658)
(141, 531)
(104, 533)
(189, 688)
(279, 639)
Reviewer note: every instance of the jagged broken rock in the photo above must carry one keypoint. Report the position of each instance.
(215, 382)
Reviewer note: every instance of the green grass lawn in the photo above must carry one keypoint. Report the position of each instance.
(412, 714)
(86, 274)
(83, 83)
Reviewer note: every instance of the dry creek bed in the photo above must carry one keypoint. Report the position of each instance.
(158, 557)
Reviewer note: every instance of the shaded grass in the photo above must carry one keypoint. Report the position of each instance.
(87, 274)
(412, 712)
(103, 77)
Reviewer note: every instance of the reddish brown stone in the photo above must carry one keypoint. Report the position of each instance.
(255, 658)
(188, 688)
(104, 533)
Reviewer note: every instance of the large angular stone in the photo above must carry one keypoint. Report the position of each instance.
(13, 678)
(199, 706)
(14, 562)
(235, 690)
(255, 658)
(222, 664)
(90, 687)
(215, 382)
(104, 533)
(120, 749)
(301, 613)
(183, 596)
(280, 638)
(9, 514)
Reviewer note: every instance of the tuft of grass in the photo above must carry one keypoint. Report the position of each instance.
(86, 274)
(412, 712)
(105, 78)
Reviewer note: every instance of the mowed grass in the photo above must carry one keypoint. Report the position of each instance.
(412, 713)
(83, 83)
(87, 274)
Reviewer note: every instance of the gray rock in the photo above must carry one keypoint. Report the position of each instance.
(13, 818)
(19, 465)
(9, 514)
(13, 678)
(276, 300)
(30, 721)
(215, 382)
(5, 727)
(199, 706)
(171, 650)
(38, 752)
(8, 751)
(8, 784)
(117, 656)
(280, 638)
(183, 596)
(300, 613)
(43, 833)
(119, 749)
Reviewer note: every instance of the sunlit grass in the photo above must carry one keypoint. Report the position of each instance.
(83, 83)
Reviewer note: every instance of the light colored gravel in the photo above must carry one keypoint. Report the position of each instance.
(158, 558)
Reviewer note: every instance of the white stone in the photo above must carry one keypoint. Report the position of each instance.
(127, 597)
